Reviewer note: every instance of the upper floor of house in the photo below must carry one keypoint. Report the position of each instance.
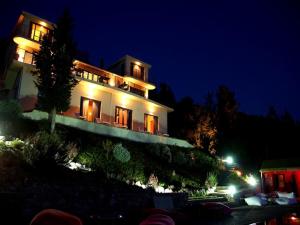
(128, 73)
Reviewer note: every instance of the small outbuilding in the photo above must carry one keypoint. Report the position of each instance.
(281, 175)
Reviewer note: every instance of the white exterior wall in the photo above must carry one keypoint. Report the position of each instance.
(110, 98)
(27, 86)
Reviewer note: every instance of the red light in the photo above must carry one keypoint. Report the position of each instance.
(293, 218)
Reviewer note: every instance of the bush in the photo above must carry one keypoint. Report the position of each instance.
(121, 153)
(10, 109)
(71, 151)
(180, 158)
(44, 150)
(211, 180)
(166, 153)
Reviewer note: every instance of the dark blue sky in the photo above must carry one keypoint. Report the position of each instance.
(253, 47)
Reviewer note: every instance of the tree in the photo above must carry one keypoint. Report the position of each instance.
(54, 65)
(195, 123)
(164, 95)
(227, 109)
(3, 49)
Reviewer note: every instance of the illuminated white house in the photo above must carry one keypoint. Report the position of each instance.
(115, 97)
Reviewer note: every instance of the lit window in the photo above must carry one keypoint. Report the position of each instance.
(28, 58)
(123, 117)
(151, 124)
(24, 56)
(89, 109)
(20, 54)
(38, 32)
(85, 75)
(137, 71)
(95, 78)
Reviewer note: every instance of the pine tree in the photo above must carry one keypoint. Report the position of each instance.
(54, 66)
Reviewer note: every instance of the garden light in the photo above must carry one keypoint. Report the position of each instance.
(251, 180)
(228, 160)
(231, 190)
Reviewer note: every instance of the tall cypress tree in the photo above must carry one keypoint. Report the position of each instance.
(54, 65)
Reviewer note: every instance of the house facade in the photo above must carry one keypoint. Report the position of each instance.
(115, 97)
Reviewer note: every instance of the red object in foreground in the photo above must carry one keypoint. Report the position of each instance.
(158, 219)
(55, 217)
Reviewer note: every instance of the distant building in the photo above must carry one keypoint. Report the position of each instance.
(117, 96)
(281, 175)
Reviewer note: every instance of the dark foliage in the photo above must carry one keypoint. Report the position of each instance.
(54, 65)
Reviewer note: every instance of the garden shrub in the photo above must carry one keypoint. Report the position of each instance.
(121, 153)
(154, 149)
(153, 181)
(44, 150)
(166, 153)
(10, 110)
(17, 144)
(211, 180)
(107, 146)
(11, 171)
(180, 158)
(71, 151)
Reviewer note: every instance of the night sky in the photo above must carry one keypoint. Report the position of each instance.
(253, 47)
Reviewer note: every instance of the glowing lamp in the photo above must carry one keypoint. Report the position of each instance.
(251, 180)
(231, 190)
(238, 172)
(228, 160)
(111, 82)
(43, 23)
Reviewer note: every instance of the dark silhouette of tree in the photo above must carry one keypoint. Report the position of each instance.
(54, 65)
(227, 109)
(83, 56)
(3, 49)
(182, 119)
(163, 95)
(195, 123)
(272, 113)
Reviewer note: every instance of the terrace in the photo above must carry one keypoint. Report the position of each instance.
(111, 131)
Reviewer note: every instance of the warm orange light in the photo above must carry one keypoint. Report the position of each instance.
(111, 82)
(137, 63)
(91, 90)
(43, 23)
(239, 173)
(151, 109)
(26, 42)
(124, 100)
(139, 82)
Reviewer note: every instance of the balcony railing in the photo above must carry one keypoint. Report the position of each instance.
(92, 77)
(84, 75)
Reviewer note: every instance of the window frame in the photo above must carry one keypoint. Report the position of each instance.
(129, 123)
(82, 99)
(156, 131)
(32, 32)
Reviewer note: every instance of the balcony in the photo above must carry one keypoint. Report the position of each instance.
(84, 75)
